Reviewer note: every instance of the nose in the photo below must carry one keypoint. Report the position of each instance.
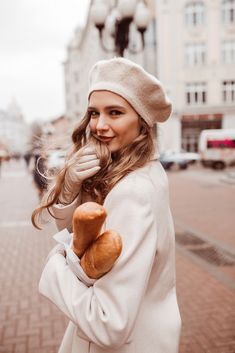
(102, 124)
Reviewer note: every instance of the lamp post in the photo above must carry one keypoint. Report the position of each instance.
(114, 19)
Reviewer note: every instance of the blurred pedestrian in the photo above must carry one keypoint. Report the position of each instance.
(133, 308)
(27, 158)
(39, 177)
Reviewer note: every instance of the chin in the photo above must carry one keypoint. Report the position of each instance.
(113, 148)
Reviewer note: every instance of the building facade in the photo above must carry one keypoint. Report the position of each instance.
(56, 134)
(85, 49)
(14, 131)
(196, 62)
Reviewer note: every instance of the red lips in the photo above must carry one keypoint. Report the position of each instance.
(105, 138)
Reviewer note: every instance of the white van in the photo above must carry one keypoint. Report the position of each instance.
(217, 148)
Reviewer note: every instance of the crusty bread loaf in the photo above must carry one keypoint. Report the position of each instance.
(97, 252)
(88, 219)
(99, 258)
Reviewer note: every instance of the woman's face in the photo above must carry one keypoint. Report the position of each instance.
(112, 120)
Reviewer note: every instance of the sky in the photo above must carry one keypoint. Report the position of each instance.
(33, 39)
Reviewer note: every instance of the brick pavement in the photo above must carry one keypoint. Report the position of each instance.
(30, 324)
(203, 202)
(206, 203)
(207, 308)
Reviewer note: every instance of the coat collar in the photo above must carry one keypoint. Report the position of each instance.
(155, 156)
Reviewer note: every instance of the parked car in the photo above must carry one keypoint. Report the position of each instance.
(170, 159)
(181, 159)
(217, 148)
(190, 157)
(4, 155)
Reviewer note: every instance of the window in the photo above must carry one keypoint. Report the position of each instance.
(196, 93)
(228, 11)
(67, 87)
(228, 91)
(228, 52)
(195, 54)
(221, 143)
(150, 34)
(195, 14)
(68, 104)
(77, 98)
(76, 76)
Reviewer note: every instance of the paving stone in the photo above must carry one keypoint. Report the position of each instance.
(20, 348)
(31, 324)
(7, 348)
(34, 341)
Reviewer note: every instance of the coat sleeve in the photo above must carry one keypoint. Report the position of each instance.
(64, 213)
(105, 313)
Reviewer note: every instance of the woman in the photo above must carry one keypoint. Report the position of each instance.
(133, 308)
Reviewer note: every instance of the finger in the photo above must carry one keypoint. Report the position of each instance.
(87, 158)
(87, 165)
(78, 160)
(88, 173)
(84, 151)
(87, 150)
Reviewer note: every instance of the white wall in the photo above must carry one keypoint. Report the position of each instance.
(172, 35)
(169, 134)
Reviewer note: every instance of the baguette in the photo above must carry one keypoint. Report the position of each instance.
(97, 252)
(99, 258)
(88, 219)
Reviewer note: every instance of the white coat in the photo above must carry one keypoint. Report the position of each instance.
(133, 308)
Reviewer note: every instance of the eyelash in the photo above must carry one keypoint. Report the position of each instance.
(90, 113)
(93, 113)
(117, 112)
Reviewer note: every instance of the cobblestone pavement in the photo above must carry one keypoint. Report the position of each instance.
(203, 199)
(30, 324)
(203, 206)
(207, 309)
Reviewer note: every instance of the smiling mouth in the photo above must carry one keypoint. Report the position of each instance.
(104, 138)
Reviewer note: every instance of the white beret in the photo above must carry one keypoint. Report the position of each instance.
(143, 91)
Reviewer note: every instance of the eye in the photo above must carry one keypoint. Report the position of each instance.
(93, 113)
(115, 112)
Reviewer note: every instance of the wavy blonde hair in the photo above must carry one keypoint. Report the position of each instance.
(114, 166)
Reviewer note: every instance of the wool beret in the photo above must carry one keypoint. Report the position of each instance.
(143, 91)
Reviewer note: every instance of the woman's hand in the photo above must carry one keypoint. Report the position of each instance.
(83, 165)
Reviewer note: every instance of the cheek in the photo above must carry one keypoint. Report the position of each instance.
(133, 130)
(92, 125)
(130, 132)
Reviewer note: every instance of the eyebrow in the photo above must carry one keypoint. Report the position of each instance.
(108, 107)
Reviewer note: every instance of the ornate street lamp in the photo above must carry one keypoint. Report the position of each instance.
(115, 17)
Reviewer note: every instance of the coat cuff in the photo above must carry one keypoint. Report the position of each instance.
(64, 213)
(60, 209)
(65, 238)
